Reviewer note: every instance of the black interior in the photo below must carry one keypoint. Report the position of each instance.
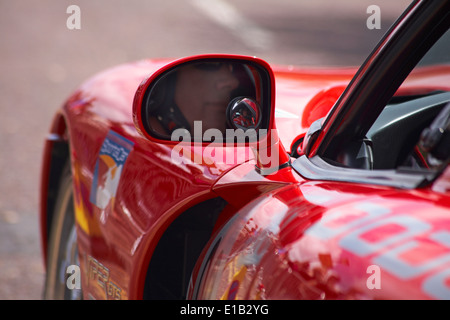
(177, 251)
(392, 138)
(398, 128)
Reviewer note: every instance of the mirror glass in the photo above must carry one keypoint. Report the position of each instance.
(244, 113)
(196, 95)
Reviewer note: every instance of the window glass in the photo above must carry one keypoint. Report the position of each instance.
(397, 136)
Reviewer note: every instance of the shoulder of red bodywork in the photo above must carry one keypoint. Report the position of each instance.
(110, 93)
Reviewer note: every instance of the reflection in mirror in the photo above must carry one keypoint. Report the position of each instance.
(200, 91)
(244, 113)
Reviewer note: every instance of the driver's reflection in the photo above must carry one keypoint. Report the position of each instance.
(200, 92)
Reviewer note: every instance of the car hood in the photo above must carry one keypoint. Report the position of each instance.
(305, 95)
(332, 236)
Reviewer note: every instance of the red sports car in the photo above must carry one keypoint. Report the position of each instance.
(221, 177)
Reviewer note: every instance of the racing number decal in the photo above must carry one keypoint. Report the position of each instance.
(392, 251)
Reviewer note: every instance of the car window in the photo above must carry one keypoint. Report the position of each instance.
(391, 126)
(439, 54)
(396, 136)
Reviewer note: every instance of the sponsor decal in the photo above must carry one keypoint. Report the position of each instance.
(99, 276)
(108, 169)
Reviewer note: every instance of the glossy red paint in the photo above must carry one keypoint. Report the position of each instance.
(316, 240)
(280, 235)
(124, 242)
(296, 91)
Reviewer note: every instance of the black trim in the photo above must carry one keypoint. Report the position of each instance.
(318, 169)
(177, 252)
(268, 171)
(59, 156)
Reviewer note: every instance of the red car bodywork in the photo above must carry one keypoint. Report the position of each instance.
(281, 236)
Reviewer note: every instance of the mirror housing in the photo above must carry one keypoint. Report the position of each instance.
(167, 107)
(193, 94)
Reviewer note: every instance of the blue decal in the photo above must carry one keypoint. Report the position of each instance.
(108, 169)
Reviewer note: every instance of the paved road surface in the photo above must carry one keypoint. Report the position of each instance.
(42, 61)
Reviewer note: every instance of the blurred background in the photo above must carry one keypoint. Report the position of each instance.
(42, 61)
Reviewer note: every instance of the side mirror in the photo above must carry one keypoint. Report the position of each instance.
(208, 92)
